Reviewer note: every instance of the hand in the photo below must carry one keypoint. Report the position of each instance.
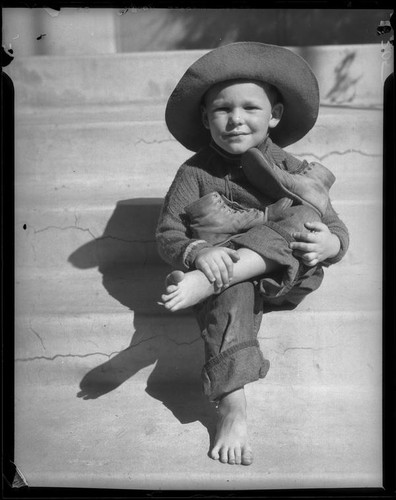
(217, 264)
(317, 245)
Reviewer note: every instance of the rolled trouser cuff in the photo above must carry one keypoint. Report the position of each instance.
(233, 368)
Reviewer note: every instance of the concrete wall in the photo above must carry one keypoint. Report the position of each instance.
(79, 31)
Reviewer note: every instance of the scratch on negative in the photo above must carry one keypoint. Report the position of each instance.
(306, 348)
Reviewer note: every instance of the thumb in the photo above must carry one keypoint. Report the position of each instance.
(315, 226)
(233, 254)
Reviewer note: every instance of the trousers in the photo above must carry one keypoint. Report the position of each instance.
(230, 321)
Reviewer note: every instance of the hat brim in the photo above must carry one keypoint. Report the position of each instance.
(272, 64)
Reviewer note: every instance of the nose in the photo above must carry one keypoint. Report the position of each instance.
(235, 118)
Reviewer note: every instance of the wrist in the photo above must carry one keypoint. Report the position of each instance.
(335, 246)
(192, 250)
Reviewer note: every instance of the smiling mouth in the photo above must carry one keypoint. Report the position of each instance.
(239, 134)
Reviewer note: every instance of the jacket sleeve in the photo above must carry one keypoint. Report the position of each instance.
(337, 227)
(174, 244)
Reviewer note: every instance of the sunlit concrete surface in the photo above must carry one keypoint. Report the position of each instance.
(108, 384)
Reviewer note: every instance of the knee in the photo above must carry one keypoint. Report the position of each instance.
(238, 293)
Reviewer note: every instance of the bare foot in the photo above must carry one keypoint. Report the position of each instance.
(231, 441)
(186, 289)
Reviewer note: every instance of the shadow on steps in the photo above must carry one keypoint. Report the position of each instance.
(171, 342)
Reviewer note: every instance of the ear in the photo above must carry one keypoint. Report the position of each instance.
(204, 116)
(276, 115)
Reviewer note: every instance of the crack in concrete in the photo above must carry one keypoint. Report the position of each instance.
(164, 336)
(47, 228)
(34, 251)
(124, 240)
(155, 141)
(37, 335)
(96, 238)
(339, 153)
(56, 356)
(52, 358)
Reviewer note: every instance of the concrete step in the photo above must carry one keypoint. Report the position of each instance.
(358, 177)
(139, 287)
(103, 382)
(64, 156)
(333, 337)
(63, 81)
(302, 437)
(65, 186)
(324, 349)
(84, 238)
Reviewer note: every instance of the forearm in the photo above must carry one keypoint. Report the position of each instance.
(177, 249)
(334, 247)
(174, 241)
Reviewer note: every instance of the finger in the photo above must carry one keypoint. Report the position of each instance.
(310, 259)
(303, 247)
(315, 226)
(217, 274)
(223, 273)
(309, 237)
(233, 254)
(206, 269)
(229, 265)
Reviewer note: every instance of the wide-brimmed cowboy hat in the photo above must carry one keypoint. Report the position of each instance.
(278, 66)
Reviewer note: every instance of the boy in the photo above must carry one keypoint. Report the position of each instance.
(237, 106)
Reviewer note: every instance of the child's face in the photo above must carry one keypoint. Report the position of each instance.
(239, 114)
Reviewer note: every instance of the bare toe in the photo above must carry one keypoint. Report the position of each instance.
(215, 454)
(231, 456)
(224, 455)
(171, 288)
(247, 456)
(173, 304)
(166, 297)
(174, 278)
